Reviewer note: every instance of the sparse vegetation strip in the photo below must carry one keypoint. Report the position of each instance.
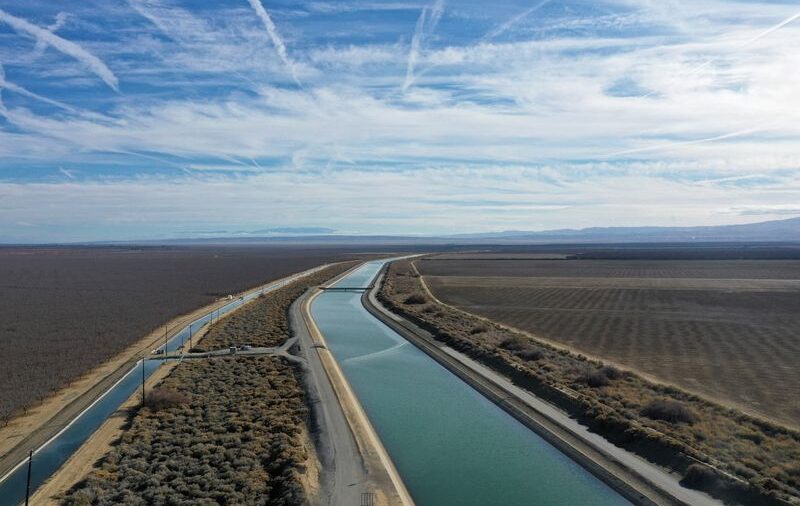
(224, 431)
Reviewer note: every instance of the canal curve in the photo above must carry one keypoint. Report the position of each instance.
(49, 457)
(450, 444)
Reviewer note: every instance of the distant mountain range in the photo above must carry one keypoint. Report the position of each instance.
(769, 231)
(779, 230)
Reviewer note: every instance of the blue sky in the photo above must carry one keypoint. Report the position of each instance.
(131, 119)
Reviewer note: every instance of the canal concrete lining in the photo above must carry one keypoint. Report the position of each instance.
(637, 480)
(357, 452)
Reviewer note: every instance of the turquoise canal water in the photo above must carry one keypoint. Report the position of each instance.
(50, 457)
(451, 445)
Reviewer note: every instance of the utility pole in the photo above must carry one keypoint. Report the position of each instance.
(190, 337)
(166, 331)
(143, 380)
(28, 486)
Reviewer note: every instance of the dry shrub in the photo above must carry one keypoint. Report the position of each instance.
(669, 411)
(530, 354)
(611, 372)
(700, 477)
(415, 299)
(596, 379)
(514, 343)
(479, 329)
(602, 377)
(164, 398)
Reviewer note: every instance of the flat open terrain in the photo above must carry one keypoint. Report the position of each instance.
(728, 329)
(65, 310)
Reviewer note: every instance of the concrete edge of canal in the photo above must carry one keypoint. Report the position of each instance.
(620, 477)
(384, 477)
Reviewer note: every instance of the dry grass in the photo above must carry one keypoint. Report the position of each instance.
(756, 460)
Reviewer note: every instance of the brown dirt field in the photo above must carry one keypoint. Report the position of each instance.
(704, 269)
(724, 332)
(78, 307)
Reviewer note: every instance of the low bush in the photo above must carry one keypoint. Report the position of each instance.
(611, 372)
(669, 411)
(700, 477)
(514, 343)
(415, 299)
(530, 354)
(479, 329)
(162, 398)
(596, 379)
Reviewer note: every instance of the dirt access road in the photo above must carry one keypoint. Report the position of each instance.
(352, 458)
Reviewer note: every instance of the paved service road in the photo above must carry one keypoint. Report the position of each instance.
(343, 472)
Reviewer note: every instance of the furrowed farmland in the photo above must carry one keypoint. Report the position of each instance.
(65, 310)
(727, 329)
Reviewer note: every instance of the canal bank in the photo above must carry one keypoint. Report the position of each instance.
(633, 477)
(450, 443)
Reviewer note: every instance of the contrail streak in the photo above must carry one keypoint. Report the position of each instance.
(275, 37)
(502, 28)
(737, 47)
(2, 80)
(61, 19)
(66, 172)
(67, 47)
(144, 8)
(22, 91)
(426, 23)
(671, 145)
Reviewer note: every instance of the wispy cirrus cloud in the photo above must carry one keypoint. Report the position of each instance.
(508, 24)
(512, 108)
(93, 63)
(429, 17)
(275, 37)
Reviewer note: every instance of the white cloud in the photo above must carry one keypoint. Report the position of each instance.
(517, 127)
(275, 37)
(67, 47)
(429, 17)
